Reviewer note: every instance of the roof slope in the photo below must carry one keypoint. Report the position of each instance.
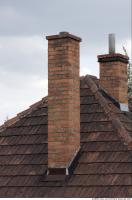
(104, 168)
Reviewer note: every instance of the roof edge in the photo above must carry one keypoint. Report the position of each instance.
(22, 114)
(122, 132)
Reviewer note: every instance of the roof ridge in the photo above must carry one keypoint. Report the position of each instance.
(122, 132)
(22, 114)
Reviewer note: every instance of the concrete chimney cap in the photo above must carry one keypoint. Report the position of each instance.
(63, 34)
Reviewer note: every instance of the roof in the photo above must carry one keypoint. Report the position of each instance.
(104, 166)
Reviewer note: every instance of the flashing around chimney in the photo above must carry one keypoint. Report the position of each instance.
(65, 171)
(124, 107)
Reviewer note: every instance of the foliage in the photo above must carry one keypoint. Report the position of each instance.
(129, 73)
(130, 79)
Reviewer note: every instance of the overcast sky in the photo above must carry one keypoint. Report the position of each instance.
(23, 48)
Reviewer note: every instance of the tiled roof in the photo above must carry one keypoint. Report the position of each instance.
(104, 167)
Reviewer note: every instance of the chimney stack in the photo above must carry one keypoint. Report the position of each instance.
(63, 101)
(113, 72)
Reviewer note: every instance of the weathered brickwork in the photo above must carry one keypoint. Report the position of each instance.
(113, 75)
(63, 99)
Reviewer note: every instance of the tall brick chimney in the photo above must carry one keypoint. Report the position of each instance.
(63, 101)
(113, 72)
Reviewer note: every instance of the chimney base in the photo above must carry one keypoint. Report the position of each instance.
(65, 171)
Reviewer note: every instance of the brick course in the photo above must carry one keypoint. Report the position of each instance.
(63, 99)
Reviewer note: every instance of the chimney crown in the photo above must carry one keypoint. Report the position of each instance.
(62, 35)
(113, 57)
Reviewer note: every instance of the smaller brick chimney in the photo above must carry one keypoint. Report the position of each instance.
(63, 102)
(113, 73)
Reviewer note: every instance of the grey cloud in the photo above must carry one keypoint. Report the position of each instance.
(23, 54)
(86, 18)
(19, 91)
(23, 48)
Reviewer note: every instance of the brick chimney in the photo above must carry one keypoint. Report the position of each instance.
(113, 72)
(63, 101)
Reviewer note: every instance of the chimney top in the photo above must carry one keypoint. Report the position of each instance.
(113, 57)
(113, 73)
(63, 34)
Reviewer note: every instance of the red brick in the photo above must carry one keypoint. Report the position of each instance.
(63, 100)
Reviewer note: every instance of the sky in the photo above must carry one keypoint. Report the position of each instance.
(24, 24)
